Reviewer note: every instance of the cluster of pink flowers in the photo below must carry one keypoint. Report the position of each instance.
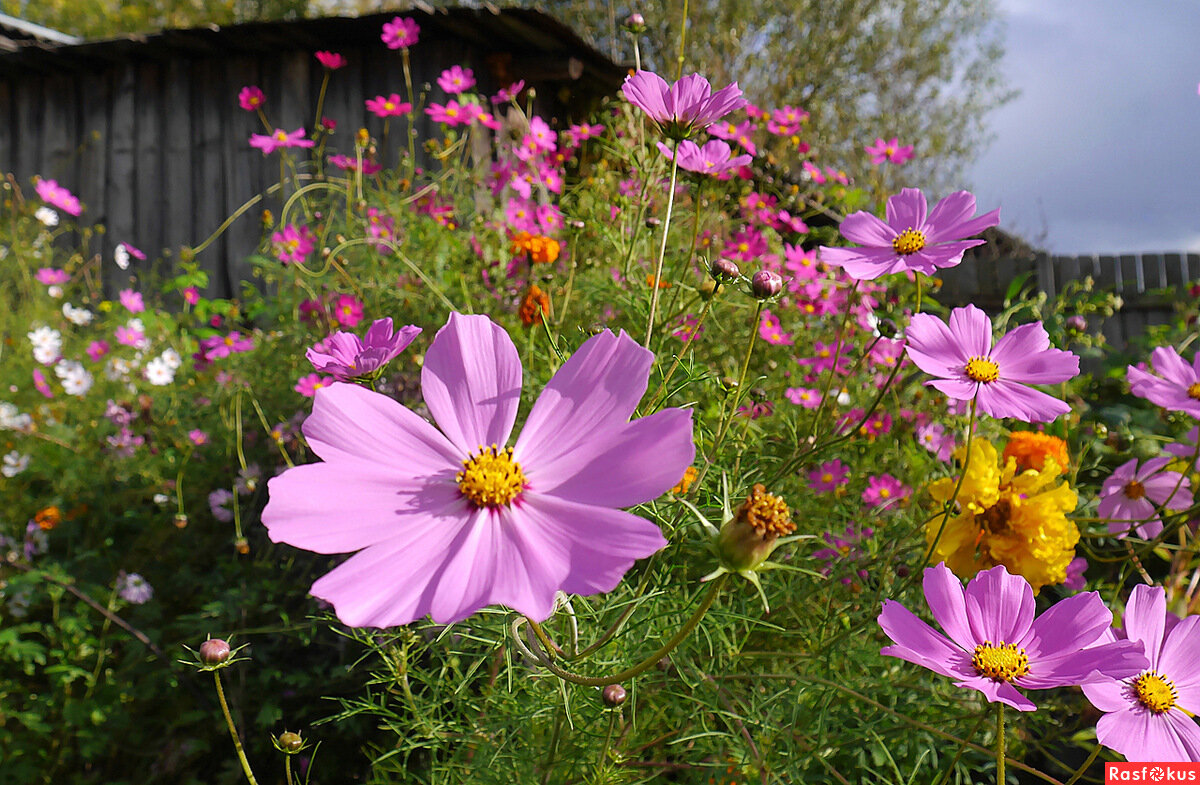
(53, 194)
(293, 245)
(218, 347)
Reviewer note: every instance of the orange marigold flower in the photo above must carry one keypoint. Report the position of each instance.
(536, 301)
(1030, 449)
(543, 250)
(661, 283)
(48, 517)
(685, 482)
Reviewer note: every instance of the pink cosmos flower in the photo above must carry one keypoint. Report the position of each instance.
(1075, 570)
(889, 151)
(910, 240)
(130, 336)
(51, 276)
(714, 158)
(218, 347)
(132, 301)
(829, 476)
(509, 93)
(994, 644)
(474, 522)
(400, 33)
(39, 383)
(771, 331)
(346, 356)
(55, 195)
(191, 295)
(390, 106)
(455, 80)
(308, 385)
(969, 367)
(292, 245)
(803, 396)
(1148, 717)
(934, 437)
(347, 310)
(331, 60)
(97, 349)
(1186, 448)
(280, 138)
(348, 164)
(1176, 386)
(682, 108)
(251, 98)
(451, 114)
(1131, 494)
(197, 437)
(844, 552)
(884, 490)
(579, 133)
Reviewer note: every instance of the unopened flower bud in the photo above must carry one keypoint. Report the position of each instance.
(653, 222)
(290, 742)
(214, 651)
(242, 545)
(766, 284)
(1077, 323)
(268, 220)
(614, 695)
(181, 520)
(709, 288)
(747, 539)
(724, 270)
(635, 23)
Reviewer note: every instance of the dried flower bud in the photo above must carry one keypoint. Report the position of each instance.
(214, 651)
(290, 742)
(766, 284)
(267, 219)
(614, 695)
(747, 539)
(724, 270)
(181, 520)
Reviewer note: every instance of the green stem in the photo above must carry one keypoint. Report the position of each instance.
(412, 156)
(662, 389)
(957, 487)
(321, 100)
(1000, 779)
(682, 42)
(837, 356)
(1090, 760)
(603, 681)
(237, 742)
(662, 251)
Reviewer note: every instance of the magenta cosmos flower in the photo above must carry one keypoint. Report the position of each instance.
(1177, 385)
(995, 644)
(682, 108)
(969, 367)
(456, 79)
(1131, 495)
(55, 195)
(713, 158)
(890, 151)
(346, 356)
(471, 521)
(331, 60)
(278, 138)
(1147, 717)
(400, 33)
(388, 106)
(910, 240)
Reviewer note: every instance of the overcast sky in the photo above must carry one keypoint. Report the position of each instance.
(1100, 152)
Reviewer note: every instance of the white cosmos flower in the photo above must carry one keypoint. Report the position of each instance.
(14, 464)
(159, 373)
(47, 216)
(79, 316)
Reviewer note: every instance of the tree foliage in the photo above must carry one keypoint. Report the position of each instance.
(106, 18)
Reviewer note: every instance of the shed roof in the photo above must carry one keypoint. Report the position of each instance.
(16, 32)
(489, 28)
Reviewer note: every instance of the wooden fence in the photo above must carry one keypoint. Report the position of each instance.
(1141, 280)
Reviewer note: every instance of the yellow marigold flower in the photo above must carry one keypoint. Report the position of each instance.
(1006, 516)
(1031, 449)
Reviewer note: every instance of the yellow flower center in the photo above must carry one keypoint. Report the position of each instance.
(490, 477)
(1193, 391)
(281, 136)
(1134, 489)
(1155, 693)
(884, 493)
(908, 242)
(766, 513)
(827, 477)
(1001, 661)
(388, 105)
(981, 369)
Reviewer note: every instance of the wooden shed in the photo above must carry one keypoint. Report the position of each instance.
(147, 131)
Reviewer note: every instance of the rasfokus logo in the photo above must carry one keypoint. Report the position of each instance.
(1151, 772)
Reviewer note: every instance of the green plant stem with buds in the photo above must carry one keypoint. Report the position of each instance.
(237, 742)
(662, 251)
(636, 670)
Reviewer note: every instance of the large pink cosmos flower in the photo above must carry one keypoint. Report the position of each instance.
(347, 356)
(996, 645)
(962, 355)
(400, 33)
(1177, 386)
(55, 195)
(910, 240)
(1146, 717)
(388, 106)
(714, 158)
(450, 521)
(682, 108)
(890, 150)
(1132, 495)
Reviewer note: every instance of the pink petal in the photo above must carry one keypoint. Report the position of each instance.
(351, 423)
(944, 593)
(308, 505)
(864, 264)
(866, 229)
(596, 545)
(592, 393)
(955, 389)
(998, 692)
(951, 210)
(1108, 694)
(906, 210)
(471, 381)
(646, 90)
(1023, 355)
(1172, 367)
(1141, 735)
(972, 330)
(934, 348)
(1069, 625)
(920, 644)
(1008, 399)
(999, 606)
(1179, 662)
(629, 465)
